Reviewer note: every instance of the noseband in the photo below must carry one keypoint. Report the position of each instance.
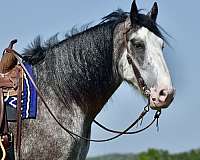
(142, 86)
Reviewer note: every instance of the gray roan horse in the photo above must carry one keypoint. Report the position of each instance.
(78, 75)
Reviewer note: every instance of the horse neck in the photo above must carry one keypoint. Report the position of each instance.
(80, 70)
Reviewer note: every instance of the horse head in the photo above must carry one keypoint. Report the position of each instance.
(142, 46)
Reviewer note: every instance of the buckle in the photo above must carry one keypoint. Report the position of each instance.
(10, 137)
(7, 138)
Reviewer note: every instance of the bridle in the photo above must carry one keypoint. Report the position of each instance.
(142, 86)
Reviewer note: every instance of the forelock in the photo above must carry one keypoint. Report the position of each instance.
(145, 21)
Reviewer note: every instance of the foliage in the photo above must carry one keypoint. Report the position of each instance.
(152, 154)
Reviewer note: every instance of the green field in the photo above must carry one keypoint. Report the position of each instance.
(152, 154)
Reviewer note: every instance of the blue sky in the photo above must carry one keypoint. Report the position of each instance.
(179, 124)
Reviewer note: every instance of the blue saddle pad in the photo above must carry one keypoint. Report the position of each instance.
(29, 99)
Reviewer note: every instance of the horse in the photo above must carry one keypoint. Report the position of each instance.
(79, 74)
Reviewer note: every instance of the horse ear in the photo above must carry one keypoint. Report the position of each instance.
(134, 13)
(154, 12)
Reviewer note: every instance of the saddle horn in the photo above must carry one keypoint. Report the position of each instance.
(12, 43)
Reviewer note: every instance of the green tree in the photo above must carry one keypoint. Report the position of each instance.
(152, 154)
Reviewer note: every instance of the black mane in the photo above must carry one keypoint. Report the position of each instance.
(35, 52)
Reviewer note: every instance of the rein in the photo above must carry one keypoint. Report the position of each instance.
(156, 117)
(143, 87)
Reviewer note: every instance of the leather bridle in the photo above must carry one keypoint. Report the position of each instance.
(142, 86)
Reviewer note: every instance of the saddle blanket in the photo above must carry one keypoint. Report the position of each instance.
(29, 99)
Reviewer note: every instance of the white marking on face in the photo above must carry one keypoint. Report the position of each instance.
(154, 69)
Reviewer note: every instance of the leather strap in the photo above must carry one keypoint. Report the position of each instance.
(19, 120)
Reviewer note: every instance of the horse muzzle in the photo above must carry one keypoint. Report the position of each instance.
(161, 98)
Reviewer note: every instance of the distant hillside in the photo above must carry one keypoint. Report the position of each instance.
(115, 157)
(152, 154)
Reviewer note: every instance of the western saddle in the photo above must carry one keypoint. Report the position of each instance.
(11, 84)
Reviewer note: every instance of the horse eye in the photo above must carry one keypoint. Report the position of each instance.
(137, 45)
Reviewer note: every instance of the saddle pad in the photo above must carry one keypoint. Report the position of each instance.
(29, 99)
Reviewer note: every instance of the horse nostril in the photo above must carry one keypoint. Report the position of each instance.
(153, 99)
(163, 93)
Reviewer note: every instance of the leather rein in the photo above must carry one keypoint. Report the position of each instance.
(142, 85)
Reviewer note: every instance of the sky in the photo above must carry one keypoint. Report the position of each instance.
(179, 124)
